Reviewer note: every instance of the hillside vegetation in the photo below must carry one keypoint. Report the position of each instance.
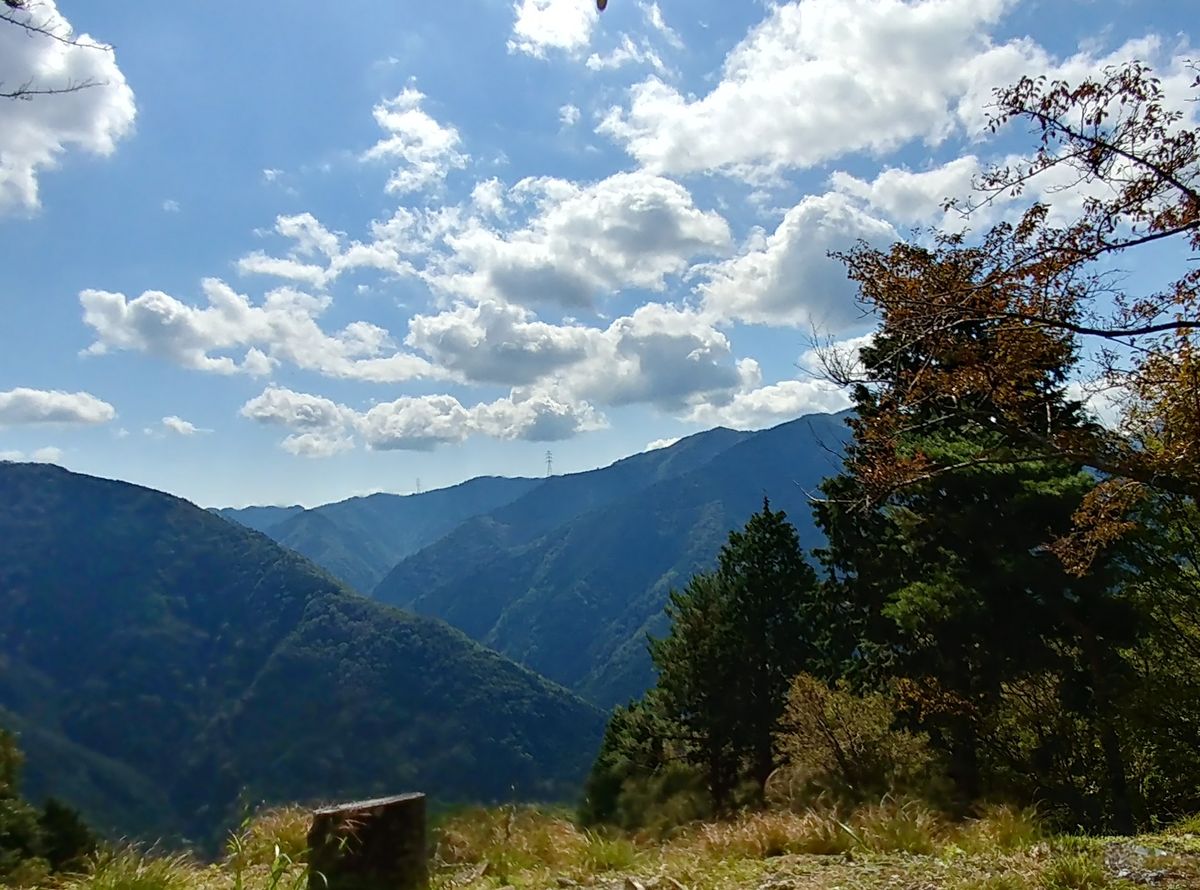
(164, 666)
(358, 540)
(575, 598)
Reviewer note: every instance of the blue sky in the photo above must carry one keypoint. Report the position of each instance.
(294, 252)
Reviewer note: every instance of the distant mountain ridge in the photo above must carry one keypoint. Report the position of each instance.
(358, 540)
(575, 599)
(568, 575)
(163, 665)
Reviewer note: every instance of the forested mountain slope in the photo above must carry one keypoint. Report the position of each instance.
(165, 665)
(576, 600)
(359, 539)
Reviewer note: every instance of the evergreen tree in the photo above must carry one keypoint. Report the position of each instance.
(771, 594)
(949, 577)
(738, 636)
(697, 684)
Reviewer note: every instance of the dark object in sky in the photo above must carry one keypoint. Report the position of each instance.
(600, 4)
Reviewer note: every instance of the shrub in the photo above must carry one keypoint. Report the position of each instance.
(836, 742)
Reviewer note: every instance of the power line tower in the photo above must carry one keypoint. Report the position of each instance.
(549, 463)
(418, 485)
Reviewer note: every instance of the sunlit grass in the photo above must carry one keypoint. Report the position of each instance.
(890, 844)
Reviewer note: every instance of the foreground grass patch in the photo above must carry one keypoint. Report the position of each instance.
(884, 847)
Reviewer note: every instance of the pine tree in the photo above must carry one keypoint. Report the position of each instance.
(738, 636)
(771, 593)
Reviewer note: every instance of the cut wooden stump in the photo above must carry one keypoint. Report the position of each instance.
(369, 845)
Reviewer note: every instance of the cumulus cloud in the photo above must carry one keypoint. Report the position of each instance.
(23, 406)
(536, 417)
(316, 256)
(773, 404)
(424, 150)
(908, 196)
(37, 133)
(283, 328)
(541, 26)
(495, 342)
(581, 242)
(280, 406)
(321, 427)
(787, 277)
(660, 354)
(180, 427)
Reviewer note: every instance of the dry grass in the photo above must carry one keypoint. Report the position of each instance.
(281, 831)
(891, 845)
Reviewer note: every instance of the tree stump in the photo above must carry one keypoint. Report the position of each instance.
(369, 845)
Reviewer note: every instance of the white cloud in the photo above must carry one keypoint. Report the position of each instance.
(46, 455)
(536, 417)
(259, 263)
(583, 241)
(23, 406)
(425, 150)
(787, 277)
(322, 427)
(36, 134)
(770, 405)
(544, 25)
(280, 406)
(181, 427)
(818, 79)
(324, 443)
(625, 53)
(170, 206)
(498, 343)
(568, 115)
(912, 197)
(271, 174)
(415, 423)
(661, 443)
(660, 354)
(282, 329)
(654, 18)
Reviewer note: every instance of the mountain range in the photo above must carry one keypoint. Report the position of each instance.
(165, 667)
(568, 574)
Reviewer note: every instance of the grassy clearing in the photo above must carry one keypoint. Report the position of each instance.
(890, 846)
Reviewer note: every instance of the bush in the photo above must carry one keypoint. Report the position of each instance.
(834, 742)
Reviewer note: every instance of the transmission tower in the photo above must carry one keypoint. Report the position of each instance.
(418, 485)
(549, 463)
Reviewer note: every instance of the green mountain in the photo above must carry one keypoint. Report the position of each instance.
(258, 518)
(165, 666)
(358, 540)
(573, 592)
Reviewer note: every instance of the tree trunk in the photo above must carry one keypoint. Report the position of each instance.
(370, 845)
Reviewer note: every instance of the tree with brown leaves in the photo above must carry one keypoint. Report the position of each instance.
(989, 330)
